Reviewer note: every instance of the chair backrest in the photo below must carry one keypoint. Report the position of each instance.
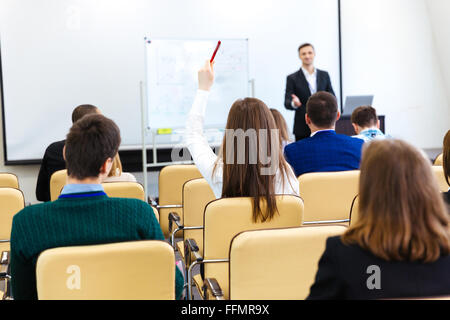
(8, 180)
(11, 202)
(439, 172)
(170, 184)
(133, 190)
(225, 218)
(139, 270)
(57, 182)
(439, 160)
(279, 264)
(328, 195)
(196, 195)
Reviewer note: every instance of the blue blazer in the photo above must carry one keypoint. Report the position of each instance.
(326, 151)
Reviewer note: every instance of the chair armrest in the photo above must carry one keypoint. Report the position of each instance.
(211, 285)
(174, 217)
(4, 264)
(4, 275)
(191, 246)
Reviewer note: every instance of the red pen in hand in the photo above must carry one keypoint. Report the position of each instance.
(215, 51)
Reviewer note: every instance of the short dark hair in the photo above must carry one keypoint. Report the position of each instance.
(82, 110)
(322, 109)
(90, 142)
(365, 116)
(304, 45)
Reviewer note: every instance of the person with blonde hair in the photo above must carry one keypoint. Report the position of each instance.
(281, 124)
(116, 174)
(400, 245)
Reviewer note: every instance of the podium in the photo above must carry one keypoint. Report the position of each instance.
(344, 125)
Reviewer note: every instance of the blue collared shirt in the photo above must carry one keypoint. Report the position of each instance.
(370, 134)
(81, 188)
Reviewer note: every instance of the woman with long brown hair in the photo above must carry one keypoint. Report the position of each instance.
(251, 161)
(399, 247)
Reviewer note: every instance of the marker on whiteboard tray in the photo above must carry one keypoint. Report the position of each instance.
(164, 131)
(215, 51)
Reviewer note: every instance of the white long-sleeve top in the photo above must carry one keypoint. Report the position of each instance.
(205, 159)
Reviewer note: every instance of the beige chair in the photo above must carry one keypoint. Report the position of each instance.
(11, 202)
(133, 190)
(225, 218)
(8, 180)
(439, 160)
(57, 182)
(328, 196)
(439, 172)
(196, 195)
(139, 270)
(278, 264)
(171, 181)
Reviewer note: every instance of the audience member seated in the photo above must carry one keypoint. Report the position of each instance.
(83, 214)
(446, 165)
(251, 162)
(281, 124)
(53, 157)
(325, 150)
(366, 124)
(117, 175)
(399, 247)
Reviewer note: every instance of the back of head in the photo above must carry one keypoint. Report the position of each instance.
(251, 154)
(402, 216)
(322, 109)
(280, 123)
(365, 117)
(90, 142)
(82, 110)
(446, 157)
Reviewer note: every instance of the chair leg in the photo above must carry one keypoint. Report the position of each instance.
(190, 279)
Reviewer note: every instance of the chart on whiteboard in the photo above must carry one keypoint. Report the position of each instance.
(172, 67)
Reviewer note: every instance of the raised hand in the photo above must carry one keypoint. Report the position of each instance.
(206, 76)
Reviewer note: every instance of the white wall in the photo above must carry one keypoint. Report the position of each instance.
(439, 11)
(389, 50)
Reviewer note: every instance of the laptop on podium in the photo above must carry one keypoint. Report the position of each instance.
(353, 102)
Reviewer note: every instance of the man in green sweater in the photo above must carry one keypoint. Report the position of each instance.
(83, 214)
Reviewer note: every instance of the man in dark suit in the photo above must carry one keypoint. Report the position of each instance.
(301, 85)
(53, 157)
(325, 150)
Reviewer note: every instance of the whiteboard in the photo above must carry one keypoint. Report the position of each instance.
(172, 67)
